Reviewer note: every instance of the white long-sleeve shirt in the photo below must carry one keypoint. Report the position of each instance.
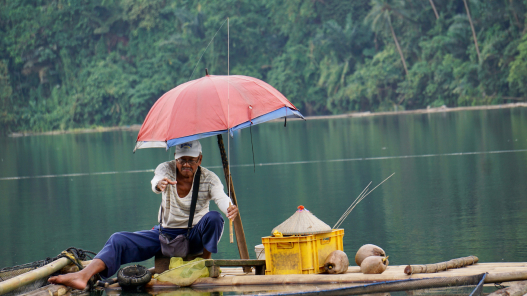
(176, 210)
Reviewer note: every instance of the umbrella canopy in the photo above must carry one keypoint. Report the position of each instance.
(302, 222)
(209, 106)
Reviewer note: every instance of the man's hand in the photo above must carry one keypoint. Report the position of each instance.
(162, 185)
(232, 212)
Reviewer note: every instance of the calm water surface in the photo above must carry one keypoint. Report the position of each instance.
(459, 187)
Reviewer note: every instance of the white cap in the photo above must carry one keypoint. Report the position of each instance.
(192, 149)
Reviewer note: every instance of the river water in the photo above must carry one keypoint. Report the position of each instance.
(459, 187)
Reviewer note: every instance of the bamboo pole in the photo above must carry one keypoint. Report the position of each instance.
(238, 227)
(497, 273)
(230, 228)
(506, 277)
(31, 276)
(347, 278)
(441, 266)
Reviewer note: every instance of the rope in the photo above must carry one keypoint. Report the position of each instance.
(76, 255)
(499, 286)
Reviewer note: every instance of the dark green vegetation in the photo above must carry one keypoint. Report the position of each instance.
(70, 64)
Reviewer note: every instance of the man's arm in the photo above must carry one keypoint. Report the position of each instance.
(160, 182)
(154, 182)
(221, 199)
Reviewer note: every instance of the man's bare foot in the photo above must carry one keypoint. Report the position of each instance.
(74, 280)
(79, 280)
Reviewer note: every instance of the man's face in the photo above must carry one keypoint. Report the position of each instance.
(188, 165)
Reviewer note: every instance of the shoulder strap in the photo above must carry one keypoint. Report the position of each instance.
(195, 191)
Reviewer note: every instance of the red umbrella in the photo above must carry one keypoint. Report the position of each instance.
(209, 106)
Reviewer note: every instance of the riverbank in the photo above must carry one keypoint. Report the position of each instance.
(136, 127)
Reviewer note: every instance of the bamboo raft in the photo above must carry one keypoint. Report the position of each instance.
(235, 279)
(497, 273)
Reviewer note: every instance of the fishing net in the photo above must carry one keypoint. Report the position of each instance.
(11, 272)
(473, 283)
(7, 273)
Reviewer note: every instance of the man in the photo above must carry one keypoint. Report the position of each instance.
(174, 179)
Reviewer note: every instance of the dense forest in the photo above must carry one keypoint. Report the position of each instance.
(68, 64)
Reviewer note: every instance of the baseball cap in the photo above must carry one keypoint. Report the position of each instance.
(192, 149)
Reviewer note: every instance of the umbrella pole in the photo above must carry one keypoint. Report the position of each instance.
(238, 227)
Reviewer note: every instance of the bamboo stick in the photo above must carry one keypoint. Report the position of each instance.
(31, 276)
(441, 266)
(238, 226)
(231, 239)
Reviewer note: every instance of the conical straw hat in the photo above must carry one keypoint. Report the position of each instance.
(301, 223)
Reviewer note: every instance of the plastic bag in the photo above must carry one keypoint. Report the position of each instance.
(183, 273)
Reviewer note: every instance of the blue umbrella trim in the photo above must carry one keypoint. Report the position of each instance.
(282, 112)
(279, 113)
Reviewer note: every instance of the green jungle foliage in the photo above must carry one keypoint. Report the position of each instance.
(72, 64)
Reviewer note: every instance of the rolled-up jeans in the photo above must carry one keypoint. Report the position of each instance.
(126, 247)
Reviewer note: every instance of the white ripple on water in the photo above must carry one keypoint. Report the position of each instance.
(274, 163)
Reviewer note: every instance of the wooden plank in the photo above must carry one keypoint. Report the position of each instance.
(235, 262)
(214, 271)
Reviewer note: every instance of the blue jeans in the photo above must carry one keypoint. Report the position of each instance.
(125, 247)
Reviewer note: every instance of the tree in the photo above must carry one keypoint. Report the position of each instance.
(380, 18)
(434, 8)
(473, 30)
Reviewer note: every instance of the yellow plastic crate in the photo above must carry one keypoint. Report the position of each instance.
(300, 254)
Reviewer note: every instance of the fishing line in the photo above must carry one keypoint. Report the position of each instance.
(252, 146)
(275, 164)
(74, 175)
(383, 158)
(206, 49)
